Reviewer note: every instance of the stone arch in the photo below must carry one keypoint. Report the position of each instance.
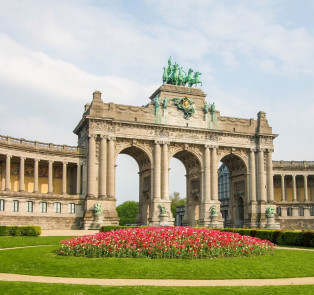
(238, 153)
(143, 158)
(193, 165)
(238, 194)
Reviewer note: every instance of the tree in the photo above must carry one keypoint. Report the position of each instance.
(127, 212)
(176, 201)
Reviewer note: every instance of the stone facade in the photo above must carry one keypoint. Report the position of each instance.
(64, 183)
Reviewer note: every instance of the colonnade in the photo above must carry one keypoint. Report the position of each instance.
(294, 187)
(7, 167)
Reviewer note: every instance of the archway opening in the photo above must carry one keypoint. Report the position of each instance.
(192, 186)
(133, 181)
(177, 189)
(232, 190)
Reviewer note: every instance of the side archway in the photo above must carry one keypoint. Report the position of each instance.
(143, 160)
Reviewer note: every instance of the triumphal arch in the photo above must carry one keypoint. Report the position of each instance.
(231, 179)
(177, 122)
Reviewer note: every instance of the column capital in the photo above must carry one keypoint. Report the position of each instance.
(213, 147)
(93, 136)
(103, 136)
(260, 150)
(9, 156)
(270, 150)
(207, 146)
(164, 142)
(65, 162)
(253, 150)
(51, 161)
(111, 138)
(36, 160)
(157, 142)
(23, 158)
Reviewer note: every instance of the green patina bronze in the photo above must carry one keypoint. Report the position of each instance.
(212, 109)
(206, 108)
(186, 105)
(174, 74)
(165, 103)
(213, 211)
(97, 208)
(270, 212)
(156, 104)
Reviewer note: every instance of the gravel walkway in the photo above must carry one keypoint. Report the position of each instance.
(146, 282)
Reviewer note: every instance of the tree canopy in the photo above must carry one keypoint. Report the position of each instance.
(127, 212)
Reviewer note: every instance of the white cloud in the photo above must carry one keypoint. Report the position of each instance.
(25, 68)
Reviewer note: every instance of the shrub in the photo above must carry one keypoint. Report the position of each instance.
(20, 231)
(265, 234)
(292, 238)
(308, 239)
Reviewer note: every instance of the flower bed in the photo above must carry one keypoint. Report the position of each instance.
(165, 242)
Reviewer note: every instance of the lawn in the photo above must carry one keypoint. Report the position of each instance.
(8, 288)
(44, 261)
(8, 242)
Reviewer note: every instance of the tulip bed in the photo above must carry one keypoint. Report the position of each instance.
(165, 242)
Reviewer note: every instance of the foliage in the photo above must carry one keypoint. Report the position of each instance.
(280, 237)
(176, 201)
(127, 212)
(8, 288)
(165, 242)
(20, 231)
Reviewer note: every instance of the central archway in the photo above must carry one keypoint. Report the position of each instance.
(236, 205)
(193, 186)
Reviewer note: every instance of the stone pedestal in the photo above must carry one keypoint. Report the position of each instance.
(97, 222)
(163, 220)
(215, 222)
(271, 223)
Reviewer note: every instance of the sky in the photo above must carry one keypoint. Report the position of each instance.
(253, 55)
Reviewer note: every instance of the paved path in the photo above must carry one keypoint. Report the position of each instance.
(147, 282)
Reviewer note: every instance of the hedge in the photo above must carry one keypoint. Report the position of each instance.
(279, 237)
(34, 231)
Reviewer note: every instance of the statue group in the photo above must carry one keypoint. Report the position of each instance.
(174, 74)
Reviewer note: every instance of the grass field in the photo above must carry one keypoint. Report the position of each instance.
(37, 288)
(44, 261)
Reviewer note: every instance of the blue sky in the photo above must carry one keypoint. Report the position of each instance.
(254, 55)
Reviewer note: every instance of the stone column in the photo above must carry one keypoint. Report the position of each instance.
(110, 168)
(64, 178)
(36, 161)
(157, 171)
(270, 180)
(252, 177)
(294, 189)
(261, 176)
(3, 175)
(78, 178)
(50, 177)
(91, 176)
(207, 174)
(84, 179)
(103, 166)
(306, 198)
(165, 172)
(283, 193)
(22, 173)
(214, 174)
(8, 173)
